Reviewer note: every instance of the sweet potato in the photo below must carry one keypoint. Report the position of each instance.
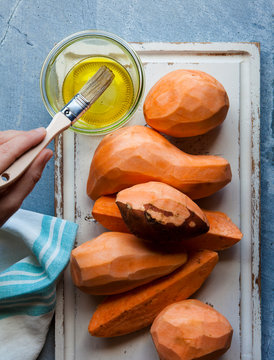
(158, 212)
(191, 330)
(107, 213)
(125, 313)
(222, 234)
(115, 262)
(137, 154)
(186, 103)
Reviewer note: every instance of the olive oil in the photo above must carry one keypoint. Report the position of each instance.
(113, 104)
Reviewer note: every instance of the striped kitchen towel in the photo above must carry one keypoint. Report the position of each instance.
(34, 250)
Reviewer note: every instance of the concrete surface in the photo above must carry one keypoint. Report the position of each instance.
(29, 29)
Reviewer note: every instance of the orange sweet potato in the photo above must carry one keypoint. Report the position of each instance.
(191, 330)
(137, 154)
(107, 213)
(222, 234)
(158, 212)
(125, 313)
(186, 103)
(115, 262)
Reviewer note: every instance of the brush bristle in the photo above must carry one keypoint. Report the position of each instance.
(97, 84)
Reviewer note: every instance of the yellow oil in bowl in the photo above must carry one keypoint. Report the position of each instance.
(113, 104)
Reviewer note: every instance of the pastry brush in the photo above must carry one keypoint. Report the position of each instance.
(70, 113)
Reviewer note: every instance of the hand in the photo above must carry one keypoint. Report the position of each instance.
(12, 145)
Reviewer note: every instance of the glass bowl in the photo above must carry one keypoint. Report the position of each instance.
(76, 48)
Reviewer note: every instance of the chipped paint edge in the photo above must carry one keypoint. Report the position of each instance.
(59, 212)
(228, 48)
(64, 202)
(255, 199)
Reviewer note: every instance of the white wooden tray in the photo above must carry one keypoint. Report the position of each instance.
(233, 287)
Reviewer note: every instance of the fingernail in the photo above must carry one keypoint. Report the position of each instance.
(40, 131)
(48, 157)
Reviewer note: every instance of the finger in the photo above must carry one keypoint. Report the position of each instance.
(9, 134)
(27, 182)
(18, 145)
(11, 201)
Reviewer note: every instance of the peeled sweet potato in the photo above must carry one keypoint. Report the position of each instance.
(186, 103)
(116, 262)
(191, 330)
(107, 213)
(137, 154)
(222, 234)
(125, 313)
(158, 212)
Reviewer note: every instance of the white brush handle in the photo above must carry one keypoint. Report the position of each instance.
(59, 123)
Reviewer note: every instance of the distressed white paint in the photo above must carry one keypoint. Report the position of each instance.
(231, 288)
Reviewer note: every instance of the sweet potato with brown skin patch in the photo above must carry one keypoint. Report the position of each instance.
(115, 262)
(136, 154)
(158, 212)
(186, 103)
(222, 234)
(191, 330)
(128, 312)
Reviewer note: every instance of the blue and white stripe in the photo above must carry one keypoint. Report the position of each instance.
(28, 286)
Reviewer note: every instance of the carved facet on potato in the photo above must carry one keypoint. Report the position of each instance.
(156, 211)
(186, 103)
(114, 262)
(136, 154)
(135, 309)
(191, 330)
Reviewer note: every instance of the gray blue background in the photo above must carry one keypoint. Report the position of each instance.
(30, 28)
